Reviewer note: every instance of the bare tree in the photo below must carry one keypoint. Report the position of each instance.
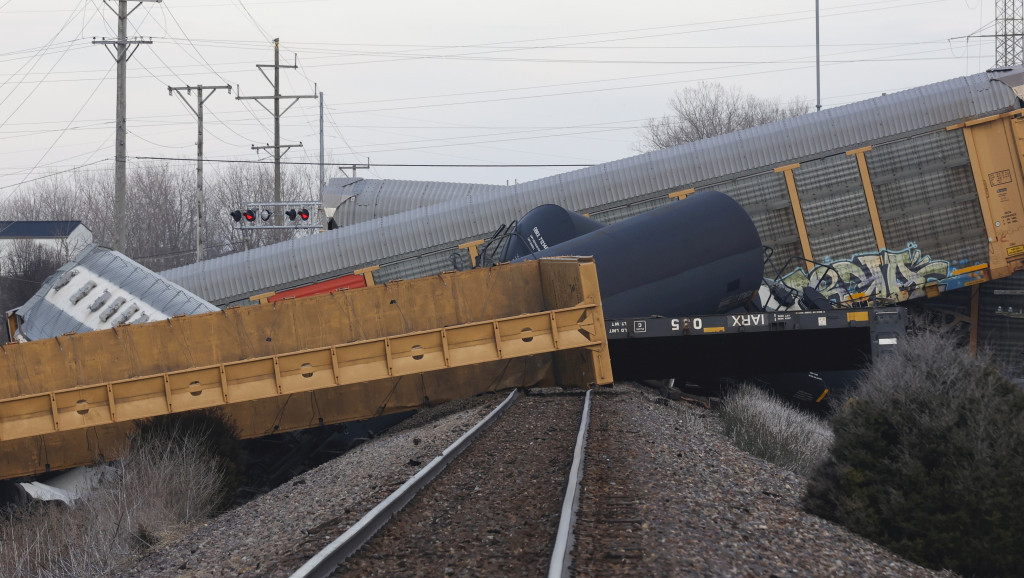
(710, 109)
(161, 228)
(236, 185)
(23, 268)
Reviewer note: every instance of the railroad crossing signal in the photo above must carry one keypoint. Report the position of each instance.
(238, 215)
(300, 215)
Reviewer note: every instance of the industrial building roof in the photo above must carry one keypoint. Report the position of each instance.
(37, 229)
(416, 225)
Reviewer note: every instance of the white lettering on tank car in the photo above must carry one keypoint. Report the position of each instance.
(748, 320)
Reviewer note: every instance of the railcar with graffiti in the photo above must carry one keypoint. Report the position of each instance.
(884, 276)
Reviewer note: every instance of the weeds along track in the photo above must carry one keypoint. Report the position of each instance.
(494, 511)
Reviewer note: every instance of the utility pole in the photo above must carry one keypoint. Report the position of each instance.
(1009, 32)
(322, 183)
(121, 56)
(200, 195)
(817, 50)
(277, 113)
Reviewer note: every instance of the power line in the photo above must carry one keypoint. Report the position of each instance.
(416, 165)
(51, 175)
(63, 132)
(253, 20)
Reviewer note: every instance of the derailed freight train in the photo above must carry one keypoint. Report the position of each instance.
(680, 286)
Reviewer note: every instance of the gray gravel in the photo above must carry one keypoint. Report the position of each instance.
(689, 504)
(495, 510)
(276, 533)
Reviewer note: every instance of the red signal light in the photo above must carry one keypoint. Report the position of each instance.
(304, 214)
(249, 215)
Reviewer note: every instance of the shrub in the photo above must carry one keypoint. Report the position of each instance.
(208, 432)
(928, 460)
(165, 482)
(766, 426)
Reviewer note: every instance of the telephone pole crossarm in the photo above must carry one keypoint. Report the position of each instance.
(200, 195)
(286, 147)
(277, 113)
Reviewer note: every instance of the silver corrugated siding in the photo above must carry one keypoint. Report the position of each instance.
(373, 199)
(476, 210)
(42, 319)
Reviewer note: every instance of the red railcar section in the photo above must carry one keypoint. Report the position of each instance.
(343, 282)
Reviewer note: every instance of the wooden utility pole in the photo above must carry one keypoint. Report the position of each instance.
(200, 195)
(121, 56)
(322, 182)
(277, 113)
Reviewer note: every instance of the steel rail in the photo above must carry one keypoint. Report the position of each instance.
(325, 562)
(561, 555)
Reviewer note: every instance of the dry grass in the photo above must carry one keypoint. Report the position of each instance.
(769, 428)
(163, 485)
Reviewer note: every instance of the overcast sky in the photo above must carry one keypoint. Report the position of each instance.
(444, 81)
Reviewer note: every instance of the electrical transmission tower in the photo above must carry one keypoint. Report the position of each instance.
(121, 55)
(200, 195)
(277, 113)
(1009, 32)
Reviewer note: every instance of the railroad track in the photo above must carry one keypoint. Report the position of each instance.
(505, 507)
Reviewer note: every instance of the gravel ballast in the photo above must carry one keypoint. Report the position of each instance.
(276, 533)
(693, 504)
(495, 510)
(698, 506)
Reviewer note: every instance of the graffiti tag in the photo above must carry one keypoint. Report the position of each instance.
(895, 275)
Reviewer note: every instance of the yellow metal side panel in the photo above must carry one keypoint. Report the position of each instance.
(473, 342)
(139, 398)
(996, 149)
(28, 456)
(62, 450)
(566, 282)
(274, 328)
(234, 337)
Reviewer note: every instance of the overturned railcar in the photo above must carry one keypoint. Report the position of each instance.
(908, 195)
(679, 289)
(699, 256)
(926, 180)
